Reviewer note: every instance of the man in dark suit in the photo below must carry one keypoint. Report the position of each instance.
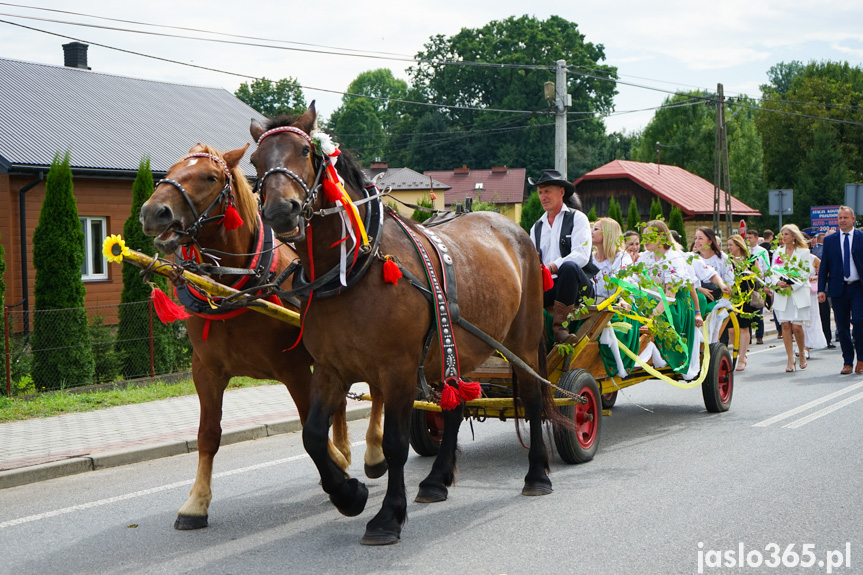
(839, 279)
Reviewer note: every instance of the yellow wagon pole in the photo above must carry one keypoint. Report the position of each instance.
(116, 251)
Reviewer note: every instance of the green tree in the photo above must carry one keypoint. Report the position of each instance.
(531, 211)
(675, 222)
(283, 97)
(632, 217)
(793, 130)
(359, 129)
(61, 341)
(133, 343)
(591, 215)
(523, 51)
(380, 89)
(615, 212)
(656, 208)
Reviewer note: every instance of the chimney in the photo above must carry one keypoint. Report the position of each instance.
(379, 165)
(498, 170)
(75, 55)
(462, 170)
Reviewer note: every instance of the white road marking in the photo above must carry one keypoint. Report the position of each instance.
(802, 408)
(143, 492)
(823, 412)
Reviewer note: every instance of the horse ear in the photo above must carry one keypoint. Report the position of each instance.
(196, 148)
(232, 158)
(309, 120)
(256, 129)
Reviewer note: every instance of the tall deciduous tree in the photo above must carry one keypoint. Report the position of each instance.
(133, 344)
(523, 51)
(796, 138)
(271, 99)
(61, 341)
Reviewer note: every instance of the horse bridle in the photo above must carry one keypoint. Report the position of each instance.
(203, 218)
(311, 192)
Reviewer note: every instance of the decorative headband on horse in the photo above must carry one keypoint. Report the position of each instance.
(333, 185)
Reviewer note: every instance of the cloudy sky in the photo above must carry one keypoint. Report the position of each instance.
(657, 47)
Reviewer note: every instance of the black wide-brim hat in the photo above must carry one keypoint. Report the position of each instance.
(553, 178)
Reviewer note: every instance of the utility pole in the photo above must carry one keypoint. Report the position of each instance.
(559, 100)
(720, 166)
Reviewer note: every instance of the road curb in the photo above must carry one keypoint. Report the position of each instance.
(137, 454)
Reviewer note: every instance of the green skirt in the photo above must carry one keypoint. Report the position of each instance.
(683, 322)
(629, 339)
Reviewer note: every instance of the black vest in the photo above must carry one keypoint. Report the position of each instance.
(565, 233)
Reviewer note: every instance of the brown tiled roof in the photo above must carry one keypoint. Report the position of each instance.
(499, 185)
(692, 194)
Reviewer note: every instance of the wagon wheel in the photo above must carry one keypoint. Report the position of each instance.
(579, 445)
(718, 386)
(609, 399)
(426, 431)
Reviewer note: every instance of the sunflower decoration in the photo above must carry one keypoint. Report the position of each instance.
(114, 248)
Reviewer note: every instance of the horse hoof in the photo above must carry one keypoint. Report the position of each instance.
(534, 489)
(431, 494)
(379, 537)
(189, 522)
(357, 502)
(376, 470)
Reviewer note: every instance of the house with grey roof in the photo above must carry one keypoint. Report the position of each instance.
(108, 123)
(406, 185)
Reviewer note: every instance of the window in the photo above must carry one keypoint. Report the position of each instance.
(95, 266)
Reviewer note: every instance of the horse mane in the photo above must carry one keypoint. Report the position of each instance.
(244, 199)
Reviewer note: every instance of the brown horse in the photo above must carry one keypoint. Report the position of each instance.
(374, 331)
(248, 344)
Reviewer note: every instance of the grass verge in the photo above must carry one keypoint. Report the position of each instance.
(60, 402)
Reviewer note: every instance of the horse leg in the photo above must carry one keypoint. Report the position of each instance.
(340, 446)
(348, 495)
(211, 389)
(375, 461)
(385, 527)
(434, 487)
(536, 482)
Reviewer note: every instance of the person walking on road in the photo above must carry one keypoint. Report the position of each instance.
(839, 279)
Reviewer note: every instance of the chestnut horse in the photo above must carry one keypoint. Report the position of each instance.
(374, 331)
(249, 344)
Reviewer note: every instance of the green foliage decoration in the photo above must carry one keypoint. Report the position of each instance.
(133, 342)
(61, 340)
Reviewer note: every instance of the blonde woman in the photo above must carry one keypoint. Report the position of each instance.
(608, 255)
(789, 276)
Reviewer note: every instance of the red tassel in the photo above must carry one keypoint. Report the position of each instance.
(547, 281)
(392, 273)
(232, 218)
(469, 390)
(332, 191)
(167, 310)
(449, 398)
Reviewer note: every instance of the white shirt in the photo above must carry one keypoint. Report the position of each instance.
(762, 258)
(608, 268)
(855, 274)
(718, 265)
(673, 267)
(549, 242)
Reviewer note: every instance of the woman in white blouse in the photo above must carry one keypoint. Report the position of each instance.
(608, 256)
(711, 266)
(789, 276)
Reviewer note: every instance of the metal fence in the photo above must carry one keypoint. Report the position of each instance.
(47, 350)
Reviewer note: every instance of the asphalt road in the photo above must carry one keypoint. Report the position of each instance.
(671, 489)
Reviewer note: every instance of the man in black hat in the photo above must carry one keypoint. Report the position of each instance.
(562, 237)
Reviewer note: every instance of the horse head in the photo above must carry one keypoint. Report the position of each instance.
(194, 192)
(286, 164)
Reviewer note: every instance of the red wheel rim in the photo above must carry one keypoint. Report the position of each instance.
(434, 419)
(723, 379)
(587, 418)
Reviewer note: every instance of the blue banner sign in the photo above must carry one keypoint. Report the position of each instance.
(824, 218)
